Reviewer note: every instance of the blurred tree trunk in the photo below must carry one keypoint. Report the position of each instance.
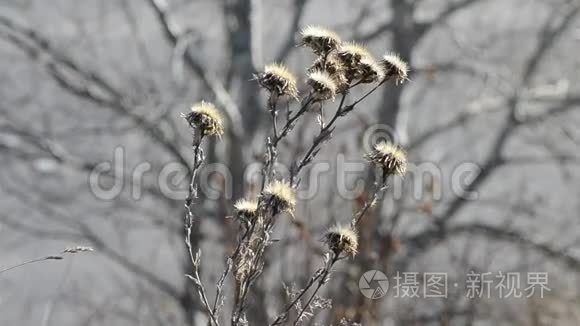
(238, 18)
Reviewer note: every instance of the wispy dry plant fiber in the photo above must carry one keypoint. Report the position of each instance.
(60, 256)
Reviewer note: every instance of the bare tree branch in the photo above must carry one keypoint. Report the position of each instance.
(516, 237)
(429, 237)
(83, 82)
(547, 38)
(443, 16)
(289, 43)
(224, 99)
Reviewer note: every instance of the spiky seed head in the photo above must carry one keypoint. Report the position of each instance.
(321, 40)
(277, 79)
(282, 196)
(246, 208)
(352, 51)
(323, 85)
(358, 62)
(395, 67)
(342, 239)
(370, 70)
(391, 158)
(330, 64)
(205, 117)
(334, 67)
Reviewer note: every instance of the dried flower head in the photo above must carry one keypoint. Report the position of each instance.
(330, 64)
(370, 70)
(320, 40)
(246, 208)
(342, 239)
(77, 249)
(358, 63)
(281, 195)
(395, 67)
(323, 85)
(334, 67)
(391, 158)
(205, 117)
(352, 52)
(277, 79)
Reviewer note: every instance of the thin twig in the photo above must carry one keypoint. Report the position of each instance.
(322, 280)
(267, 215)
(60, 256)
(36, 260)
(198, 158)
(284, 314)
(380, 188)
(326, 132)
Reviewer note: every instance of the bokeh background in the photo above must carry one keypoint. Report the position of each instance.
(494, 83)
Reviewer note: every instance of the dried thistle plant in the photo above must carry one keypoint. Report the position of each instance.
(280, 196)
(334, 67)
(206, 118)
(395, 67)
(323, 85)
(359, 63)
(389, 157)
(321, 40)
(338, 67)
(278, 80)
(342, 240)
(370, 70)
(246, 209)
